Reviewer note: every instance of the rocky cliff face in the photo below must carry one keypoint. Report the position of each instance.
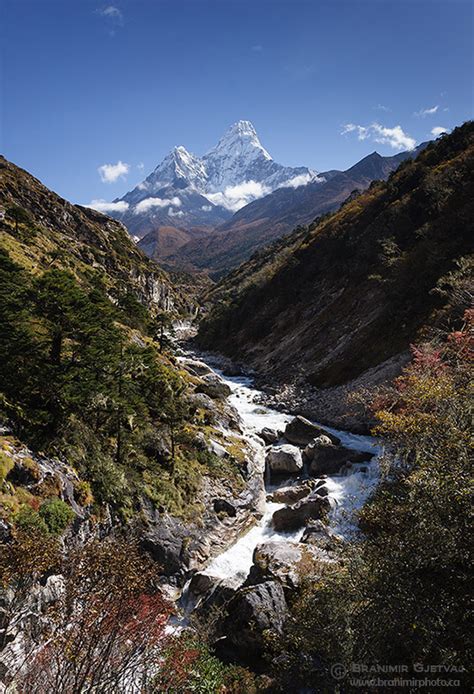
(347, 294)
(228, 501)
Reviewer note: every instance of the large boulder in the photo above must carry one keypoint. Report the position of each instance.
(317, 534)
(196, 367)
(328, 459)
(293, 517)
(168, 542)
(278, 561)
(301, 431)
(322, 440)
(292, 494)
(214, 387)
(252, 611)
(269, 435)
(205, 592)
(285, 458)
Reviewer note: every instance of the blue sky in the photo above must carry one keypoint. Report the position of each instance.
(88, 83)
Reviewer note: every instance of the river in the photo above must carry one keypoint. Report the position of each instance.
(346, 493)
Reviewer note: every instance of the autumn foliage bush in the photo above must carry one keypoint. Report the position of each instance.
(107, 628)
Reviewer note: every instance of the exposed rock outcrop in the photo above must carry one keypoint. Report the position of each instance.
(214, 387)
(278, 561)
(284, 458)
(294, 517)
(301, 432)
(252, 611)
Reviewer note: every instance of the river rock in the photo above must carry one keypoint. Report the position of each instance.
(322, 440)
(319, 535)
(292, 494)
(214, 387)
(301, 431)
(285, 458)
(196, 367)
(252, 611)
(329, 459)
(276, 560)
(205, 592)
(294, 517)
(269, 435)
(232, 369)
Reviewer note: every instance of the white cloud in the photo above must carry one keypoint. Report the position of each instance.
(149, 203)
(394, 137)
(235, 197)
(111, 12)
(426, 112)
(113, 18)
(177, 213)
(206, 208)
(109, 173)
(300, 180)
(140, 166)
(381, 107)
(362, 132)
(439, 130)
(104, 206)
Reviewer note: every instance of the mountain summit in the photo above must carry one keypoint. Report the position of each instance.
(187, 191)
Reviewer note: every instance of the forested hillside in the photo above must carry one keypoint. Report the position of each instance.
(104, 434)
(88, 371)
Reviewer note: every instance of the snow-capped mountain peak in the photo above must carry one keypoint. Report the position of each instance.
(208, 190)
(238, 157)
(239, 138)
(178, 167)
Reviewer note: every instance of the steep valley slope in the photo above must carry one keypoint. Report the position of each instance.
(335, 306)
